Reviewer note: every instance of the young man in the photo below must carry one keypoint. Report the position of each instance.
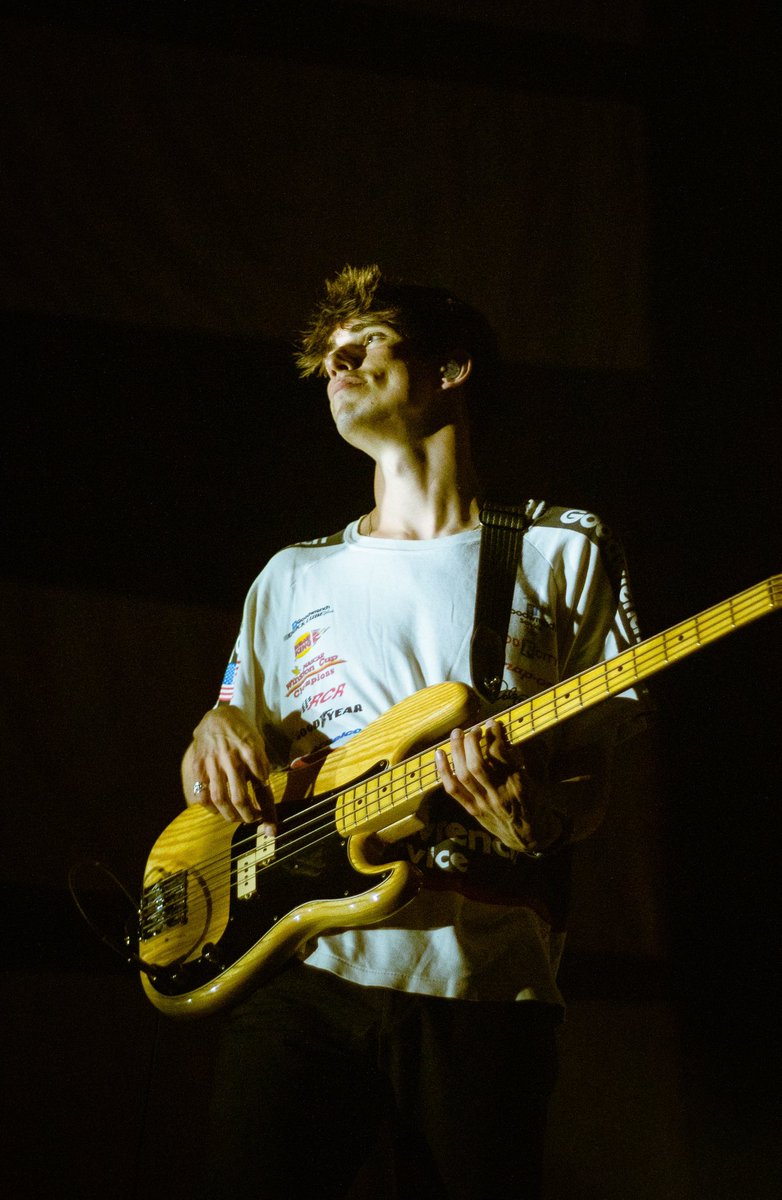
(440, 1022)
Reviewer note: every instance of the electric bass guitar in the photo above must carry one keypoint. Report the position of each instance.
(224, 904)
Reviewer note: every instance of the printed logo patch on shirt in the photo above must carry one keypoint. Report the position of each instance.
(321, 667)
(304, 644)
(229, 682)
(311, 616)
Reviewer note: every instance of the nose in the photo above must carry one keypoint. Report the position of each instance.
(345, 357)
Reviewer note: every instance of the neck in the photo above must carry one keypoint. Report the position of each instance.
(424, 491)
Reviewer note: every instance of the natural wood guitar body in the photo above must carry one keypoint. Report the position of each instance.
(223, 906)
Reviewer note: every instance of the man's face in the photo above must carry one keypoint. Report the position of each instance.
(377, 383)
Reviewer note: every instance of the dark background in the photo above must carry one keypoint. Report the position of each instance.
(177, 180)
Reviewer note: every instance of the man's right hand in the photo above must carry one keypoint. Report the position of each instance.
(226, 755)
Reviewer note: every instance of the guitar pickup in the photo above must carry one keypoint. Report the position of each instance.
(247, 865)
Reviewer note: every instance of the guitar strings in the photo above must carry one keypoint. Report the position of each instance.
(543, 711)
(248, 843)
(301, 836)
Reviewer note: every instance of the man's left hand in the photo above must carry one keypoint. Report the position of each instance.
(492, 781)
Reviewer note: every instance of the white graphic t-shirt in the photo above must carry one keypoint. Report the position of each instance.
(336, 631)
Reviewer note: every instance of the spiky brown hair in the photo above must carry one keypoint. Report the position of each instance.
(436, 322)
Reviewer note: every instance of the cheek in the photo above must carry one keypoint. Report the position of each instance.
(387, 378)
(398, 375)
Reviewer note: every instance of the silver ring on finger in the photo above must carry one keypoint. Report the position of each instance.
(199, 787)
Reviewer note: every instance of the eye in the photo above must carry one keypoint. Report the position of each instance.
(370, 337)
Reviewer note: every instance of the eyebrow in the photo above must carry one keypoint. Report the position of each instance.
(358, 326)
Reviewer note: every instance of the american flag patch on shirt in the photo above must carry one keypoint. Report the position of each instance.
(229, 679)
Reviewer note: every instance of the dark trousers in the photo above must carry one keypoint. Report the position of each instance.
(310, 1067)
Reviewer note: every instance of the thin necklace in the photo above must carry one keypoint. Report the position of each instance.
(368, 531)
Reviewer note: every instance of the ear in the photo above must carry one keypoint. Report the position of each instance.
(455, 371)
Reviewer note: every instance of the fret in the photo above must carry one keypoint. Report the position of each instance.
(387, 791)
(651, 658)
(412, 778)
(356, 802)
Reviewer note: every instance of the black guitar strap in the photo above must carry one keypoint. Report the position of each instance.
(502, 530)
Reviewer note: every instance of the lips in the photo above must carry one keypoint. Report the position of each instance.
(343, 381)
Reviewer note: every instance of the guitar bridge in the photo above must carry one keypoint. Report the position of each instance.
(163, 905)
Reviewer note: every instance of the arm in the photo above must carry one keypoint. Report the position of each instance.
(227, 754)
(512, 796)
(505, 788)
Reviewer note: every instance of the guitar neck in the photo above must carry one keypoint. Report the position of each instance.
(639, 662)
(401, 789)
